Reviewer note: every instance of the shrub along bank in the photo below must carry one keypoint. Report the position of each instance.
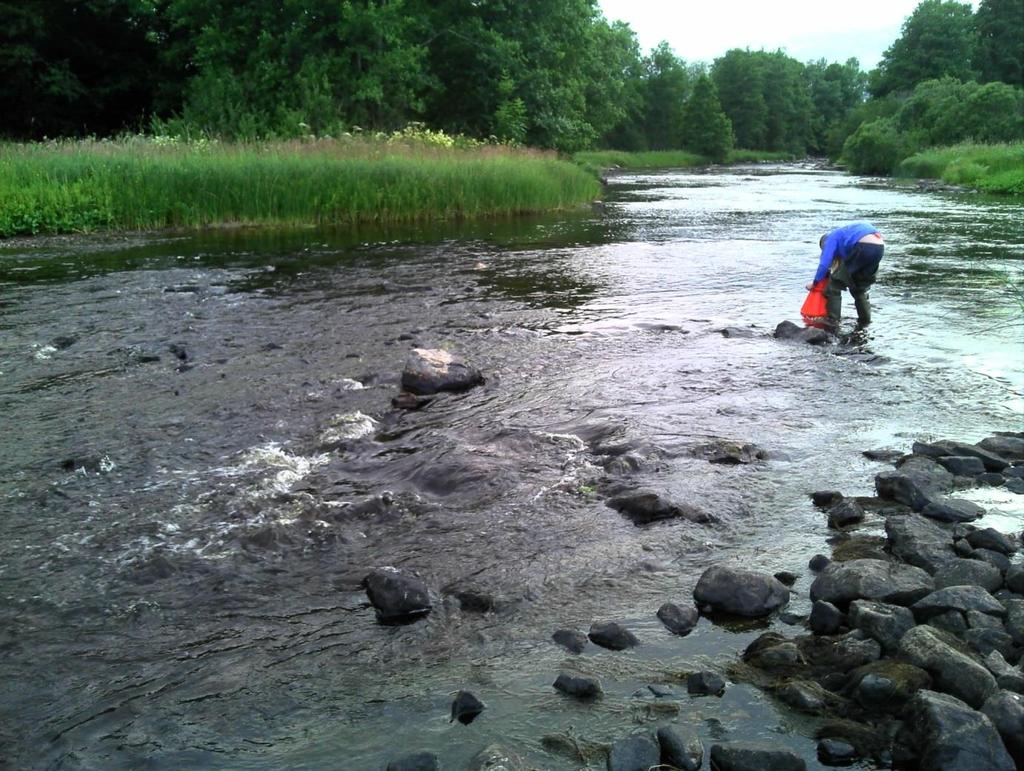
(149, 183)
(991, 168)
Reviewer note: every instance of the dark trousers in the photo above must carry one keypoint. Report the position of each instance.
(856, 273)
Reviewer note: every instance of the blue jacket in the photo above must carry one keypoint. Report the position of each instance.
(840, 242)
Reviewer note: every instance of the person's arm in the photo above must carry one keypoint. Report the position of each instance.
(828, 253)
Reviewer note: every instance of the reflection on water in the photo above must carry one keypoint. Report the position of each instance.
(200, 462)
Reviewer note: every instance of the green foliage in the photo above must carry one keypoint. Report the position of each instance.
(144, 184)
(938, 40)
(707, 130)
(875, 147)
(597, 160)
(836, 90)
(946, 111)
(667, 88)
(767, 98)
(1000, 52)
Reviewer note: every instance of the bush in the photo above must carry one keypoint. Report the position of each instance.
(875, 148)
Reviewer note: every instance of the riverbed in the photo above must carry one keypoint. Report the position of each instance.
(200, 462)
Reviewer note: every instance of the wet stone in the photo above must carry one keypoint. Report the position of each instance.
(882, 622)
(1006, 711)
(397, 596)
(985, 641)
(804, 696)
(466, 707)
(739, 592)
(643, 507)
(818, 562)
(1010, 446)
(836, 752)
(1000, 561)
(1015, 485)
(611, 635)
(752, 756)
(786, 577)
(952, 671)
(571, 640)
(967, 466)
(581, 687)
(705, 684)
(869, 579)
(886, 685)
(826, 498)
(826, 618)
(683, 751)
(677, 619)
(1015, 579)
(430, 371)
(964, 572)
(883, 456)
(638, 752)
(953, 510)
(846, 512)
(948, 734)
(959, 598)
(661, 690)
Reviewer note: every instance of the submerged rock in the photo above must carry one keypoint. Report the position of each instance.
(739, 592)
(466, 707)
(397, 596)
(730, 452)
(581, 687)
(643, 507)
(609, 634)
(429, 371)
(572, 641)
(705, 684)
(787, 330)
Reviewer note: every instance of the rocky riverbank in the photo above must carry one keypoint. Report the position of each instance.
(912, 651)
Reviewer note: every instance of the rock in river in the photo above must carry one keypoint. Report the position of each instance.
(739, 592)
(643, 507)
(869, 579)
(397, 596)
(948, 735)
(429, 371)
(611, 635)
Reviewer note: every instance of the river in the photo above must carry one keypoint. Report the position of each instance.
(181, 547)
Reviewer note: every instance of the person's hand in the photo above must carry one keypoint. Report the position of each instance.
(809, 287)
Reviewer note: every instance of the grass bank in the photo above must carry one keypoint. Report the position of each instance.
(143, 184)
(596, 161)
(997, 168)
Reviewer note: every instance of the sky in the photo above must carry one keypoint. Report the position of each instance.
(702, 30)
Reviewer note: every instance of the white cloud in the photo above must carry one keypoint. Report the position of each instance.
(702, 30)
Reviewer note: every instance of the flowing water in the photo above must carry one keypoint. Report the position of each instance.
(199, 463)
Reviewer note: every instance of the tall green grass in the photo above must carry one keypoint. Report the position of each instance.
(596, 161)
(140, 184)
(995, 168)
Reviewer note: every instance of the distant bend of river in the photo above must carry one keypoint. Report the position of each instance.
(199, 462)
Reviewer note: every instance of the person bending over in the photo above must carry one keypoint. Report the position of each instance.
(849, 256)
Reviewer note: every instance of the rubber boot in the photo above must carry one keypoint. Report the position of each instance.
(834, 302)
(863, 305)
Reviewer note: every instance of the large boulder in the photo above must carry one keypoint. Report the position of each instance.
(1006, 711)
(962, 572)
(870, 579)
(990, 538)
(992, 461)
(1010, 446)
(739, 592)
(881, 621)
(787, 330)
(952, 672)
(950, 736)
(429, 371)
(679, 750)
(919, 541)
(952, 510)
(1015, 620)
(611, 635)
(637, 752)
(958, 598)
(397, 596)
(751, 756)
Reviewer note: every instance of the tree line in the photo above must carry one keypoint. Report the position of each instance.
(555, 74)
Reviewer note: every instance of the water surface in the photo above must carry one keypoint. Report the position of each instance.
(197, 432)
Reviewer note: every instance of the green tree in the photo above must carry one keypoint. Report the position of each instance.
(835, 90)
(875, 147)
(740, 86)
(706, 128)
(74, 67)
(667, 87)
(937, 40)
(1000, 53)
